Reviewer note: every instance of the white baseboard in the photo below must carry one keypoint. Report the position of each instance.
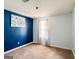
(73, 53)
(60, 47)
(17, 48)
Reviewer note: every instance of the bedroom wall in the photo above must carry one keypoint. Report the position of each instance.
(16, 36)
(60, 31)
(35, 30)
(73, 29)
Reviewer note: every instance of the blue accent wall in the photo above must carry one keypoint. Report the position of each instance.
(13, 35)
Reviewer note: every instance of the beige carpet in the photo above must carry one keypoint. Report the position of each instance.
(36, 51)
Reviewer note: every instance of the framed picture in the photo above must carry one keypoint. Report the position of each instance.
(17, 21)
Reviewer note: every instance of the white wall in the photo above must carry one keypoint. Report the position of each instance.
(60, 31)
(73, 29)
(35, 30)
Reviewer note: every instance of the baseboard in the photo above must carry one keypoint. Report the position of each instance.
(73, 53)
(17, 48)
(60, 47)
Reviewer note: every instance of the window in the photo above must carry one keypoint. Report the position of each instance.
(43, 31)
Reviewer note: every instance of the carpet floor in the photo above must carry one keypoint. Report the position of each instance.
(37, 51)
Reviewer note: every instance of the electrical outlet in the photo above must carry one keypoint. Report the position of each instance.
(18, 43)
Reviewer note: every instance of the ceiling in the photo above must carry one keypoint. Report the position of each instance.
(45, 7)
